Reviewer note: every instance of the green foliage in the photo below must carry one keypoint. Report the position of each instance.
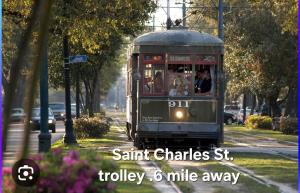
(94, 28)
(260, 48)
(285, 12)
(259, 122)
(289, 125)
(90, 127)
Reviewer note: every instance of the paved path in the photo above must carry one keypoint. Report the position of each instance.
(15, 136)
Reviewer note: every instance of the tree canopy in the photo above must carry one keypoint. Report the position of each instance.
(94, 28)
(260, 46)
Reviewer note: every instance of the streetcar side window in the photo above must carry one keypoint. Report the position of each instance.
(180, 79)
(153, 79)
(204, 82)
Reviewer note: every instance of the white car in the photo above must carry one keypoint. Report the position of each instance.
(17, 114)
(233, 109)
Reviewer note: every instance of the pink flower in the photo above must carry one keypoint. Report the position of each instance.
(74, 154)
(79, 186)
(110, 186)
(6, 171)
(71, 158)
(37, 157)
(57, 151)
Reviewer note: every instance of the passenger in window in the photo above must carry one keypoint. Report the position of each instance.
(147, 88)
(158, 82)
(206, 83)
(198, 81)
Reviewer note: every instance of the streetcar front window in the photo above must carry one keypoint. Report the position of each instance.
(180, 79)
(153, 79)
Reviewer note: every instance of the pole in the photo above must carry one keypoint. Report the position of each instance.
(183, 14)
(44, 136)
(169, 21)
(220, 20)
(153, 23)
(69, 137)
(77, 95)
(222, 75)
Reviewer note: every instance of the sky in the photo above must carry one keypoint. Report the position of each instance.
(161, 13)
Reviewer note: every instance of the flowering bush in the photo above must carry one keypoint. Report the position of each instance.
(69, 173)
(93, 127)
(7, 181)
(259, 122)
(289, 125)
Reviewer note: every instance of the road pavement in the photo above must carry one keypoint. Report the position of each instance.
(15, 136)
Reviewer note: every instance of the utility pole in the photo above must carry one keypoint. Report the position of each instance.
(153, 23)
(169, 21)
(44, 136)
(77, 94)
(183, 14)
(220, 20)
(69, 137)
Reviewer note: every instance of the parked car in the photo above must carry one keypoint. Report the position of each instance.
(233, 109)
(58, 110)
(17, 114)
(229, 118)
(35, 122)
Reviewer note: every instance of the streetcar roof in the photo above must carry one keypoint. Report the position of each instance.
(177, 38)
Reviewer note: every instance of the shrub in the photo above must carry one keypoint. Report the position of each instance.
(70, 173)
(7, 181)
(93, 127)
(289, 125)
(259, 122)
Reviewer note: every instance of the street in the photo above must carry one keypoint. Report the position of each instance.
(14, 141)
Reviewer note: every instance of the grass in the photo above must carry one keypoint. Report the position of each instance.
(274, 167)
(103, 147)
(185, 187)
(229, 144)
(261, 133)
(244, 184)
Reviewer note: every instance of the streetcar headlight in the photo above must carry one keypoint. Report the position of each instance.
(179, 114)
(50, 121)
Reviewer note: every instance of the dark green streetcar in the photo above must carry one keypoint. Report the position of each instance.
(175, 87)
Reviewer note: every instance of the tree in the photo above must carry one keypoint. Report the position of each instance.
(97, 29)
(94, 28)
(260, 55)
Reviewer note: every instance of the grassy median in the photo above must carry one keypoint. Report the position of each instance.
(245, 184)
(103, 147)
(260, 133)
(273, 167)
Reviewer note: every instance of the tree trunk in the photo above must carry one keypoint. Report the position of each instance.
(87, 98)
(97, 98)
(260, 102)
(253, 104)
(274, 107)
(244, 107)
(82, 101)
(20, 92)
(292, 103)
(4, 84)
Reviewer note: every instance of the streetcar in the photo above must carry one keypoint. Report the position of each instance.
(175, 90)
